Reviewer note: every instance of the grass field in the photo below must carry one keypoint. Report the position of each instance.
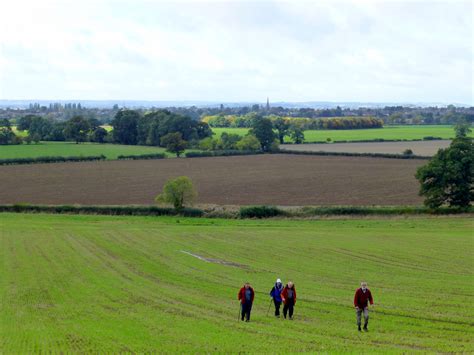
(111, 151)
(124, 284)
(388, 132)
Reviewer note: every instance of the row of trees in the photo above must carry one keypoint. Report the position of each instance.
(129, 127)
(78, 129)
(247, 121)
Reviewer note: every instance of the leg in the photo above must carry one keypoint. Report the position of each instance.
(358, 315)
(285, 310)
(243, 307)
(249, 309)
(277, 308)
(290, 308)
(366, 317)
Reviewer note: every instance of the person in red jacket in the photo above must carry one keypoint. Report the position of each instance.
(362, 298)
(246, 296)
(288, 296)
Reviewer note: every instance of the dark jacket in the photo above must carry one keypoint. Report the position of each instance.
(284, 294)
(241, 295)
(275, 292)
(362, 298)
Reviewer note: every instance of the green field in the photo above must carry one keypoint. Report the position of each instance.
(77, 284)
(388, 132)
(111, 151)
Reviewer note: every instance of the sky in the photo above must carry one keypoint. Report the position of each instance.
(240, 51)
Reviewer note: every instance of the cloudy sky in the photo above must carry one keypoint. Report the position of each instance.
(377, 51)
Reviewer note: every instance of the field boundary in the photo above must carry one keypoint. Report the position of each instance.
(354, 154)
(245, 212)
(51, 159)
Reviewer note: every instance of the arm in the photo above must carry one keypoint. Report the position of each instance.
(239, 295)
(355, 300)
(282, 295)
(271, 292)
(294, 295)
(371, 300)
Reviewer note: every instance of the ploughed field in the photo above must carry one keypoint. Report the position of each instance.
(280, 179)
(82, 284)
(422, 148)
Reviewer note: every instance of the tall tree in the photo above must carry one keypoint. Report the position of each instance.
(174, 143)
(282, 126)
(77, 129)
(263, 129)
(448, 178)
(125, 127)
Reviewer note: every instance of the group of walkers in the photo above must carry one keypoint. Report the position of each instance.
(287, 296)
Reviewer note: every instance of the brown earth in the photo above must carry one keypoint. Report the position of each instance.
(423, 148)
(287, 180)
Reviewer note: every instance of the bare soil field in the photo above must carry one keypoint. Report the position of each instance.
(423, 148)
(286, 180)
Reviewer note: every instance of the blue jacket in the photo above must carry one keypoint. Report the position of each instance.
(275, 293)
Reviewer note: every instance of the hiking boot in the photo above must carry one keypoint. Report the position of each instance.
(358, 327)
(365, 328)
(247, 320)
(291, 318)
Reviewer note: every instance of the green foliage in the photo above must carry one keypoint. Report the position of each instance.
(249, 143)
(260, 212)
(296, 134)
(228, 141)
(38, 160)
(178, 192)
(263, 129)
(7, 136)
(221, 153)
(408, 152)
(125, 127)
(208, 143)
(142, 156)
(282, 126)
(77, 129)
(99, 135)
(174, 143)
(448, 178)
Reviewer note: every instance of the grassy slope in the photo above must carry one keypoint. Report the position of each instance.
(388, 132)
(111, 151)
(111, 284)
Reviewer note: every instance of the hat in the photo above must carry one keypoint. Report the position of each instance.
(278, 281)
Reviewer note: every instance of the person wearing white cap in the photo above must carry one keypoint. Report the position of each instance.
(275, 294)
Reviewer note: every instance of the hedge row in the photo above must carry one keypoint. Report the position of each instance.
(376, 140)
(245, 212)
(103, 210)
(50, 159)
(222, 153)
(349, 154)
(271, 211)
(142, 156)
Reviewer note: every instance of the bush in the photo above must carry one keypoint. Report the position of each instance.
(260, 212)
(431, 138)
(50, 160)
(221, 153)
(142, 156)
(178, 192)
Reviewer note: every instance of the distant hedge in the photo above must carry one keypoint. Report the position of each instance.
(103, 210)
(349, 154)
(221, 153)
(39, 160)
(375, 140)
(142, 156)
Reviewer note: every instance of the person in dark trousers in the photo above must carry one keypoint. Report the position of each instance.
(288, 296)
(361, 303)
(246, 296)
(275, 294)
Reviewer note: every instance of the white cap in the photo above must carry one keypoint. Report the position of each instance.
(278, 281)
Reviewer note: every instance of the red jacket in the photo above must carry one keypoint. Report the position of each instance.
(284, 294)
(241, 295)
(362, 298)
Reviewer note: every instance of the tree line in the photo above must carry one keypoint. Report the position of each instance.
(246, 121)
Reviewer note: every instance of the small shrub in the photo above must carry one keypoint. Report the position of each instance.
(260, 212)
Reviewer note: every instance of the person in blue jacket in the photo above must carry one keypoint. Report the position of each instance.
(275, 294)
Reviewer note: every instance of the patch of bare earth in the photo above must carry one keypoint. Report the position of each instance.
(287, 180)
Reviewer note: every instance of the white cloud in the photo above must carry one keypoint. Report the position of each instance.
(237, 51)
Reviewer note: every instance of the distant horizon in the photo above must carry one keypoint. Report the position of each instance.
(297, 104)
